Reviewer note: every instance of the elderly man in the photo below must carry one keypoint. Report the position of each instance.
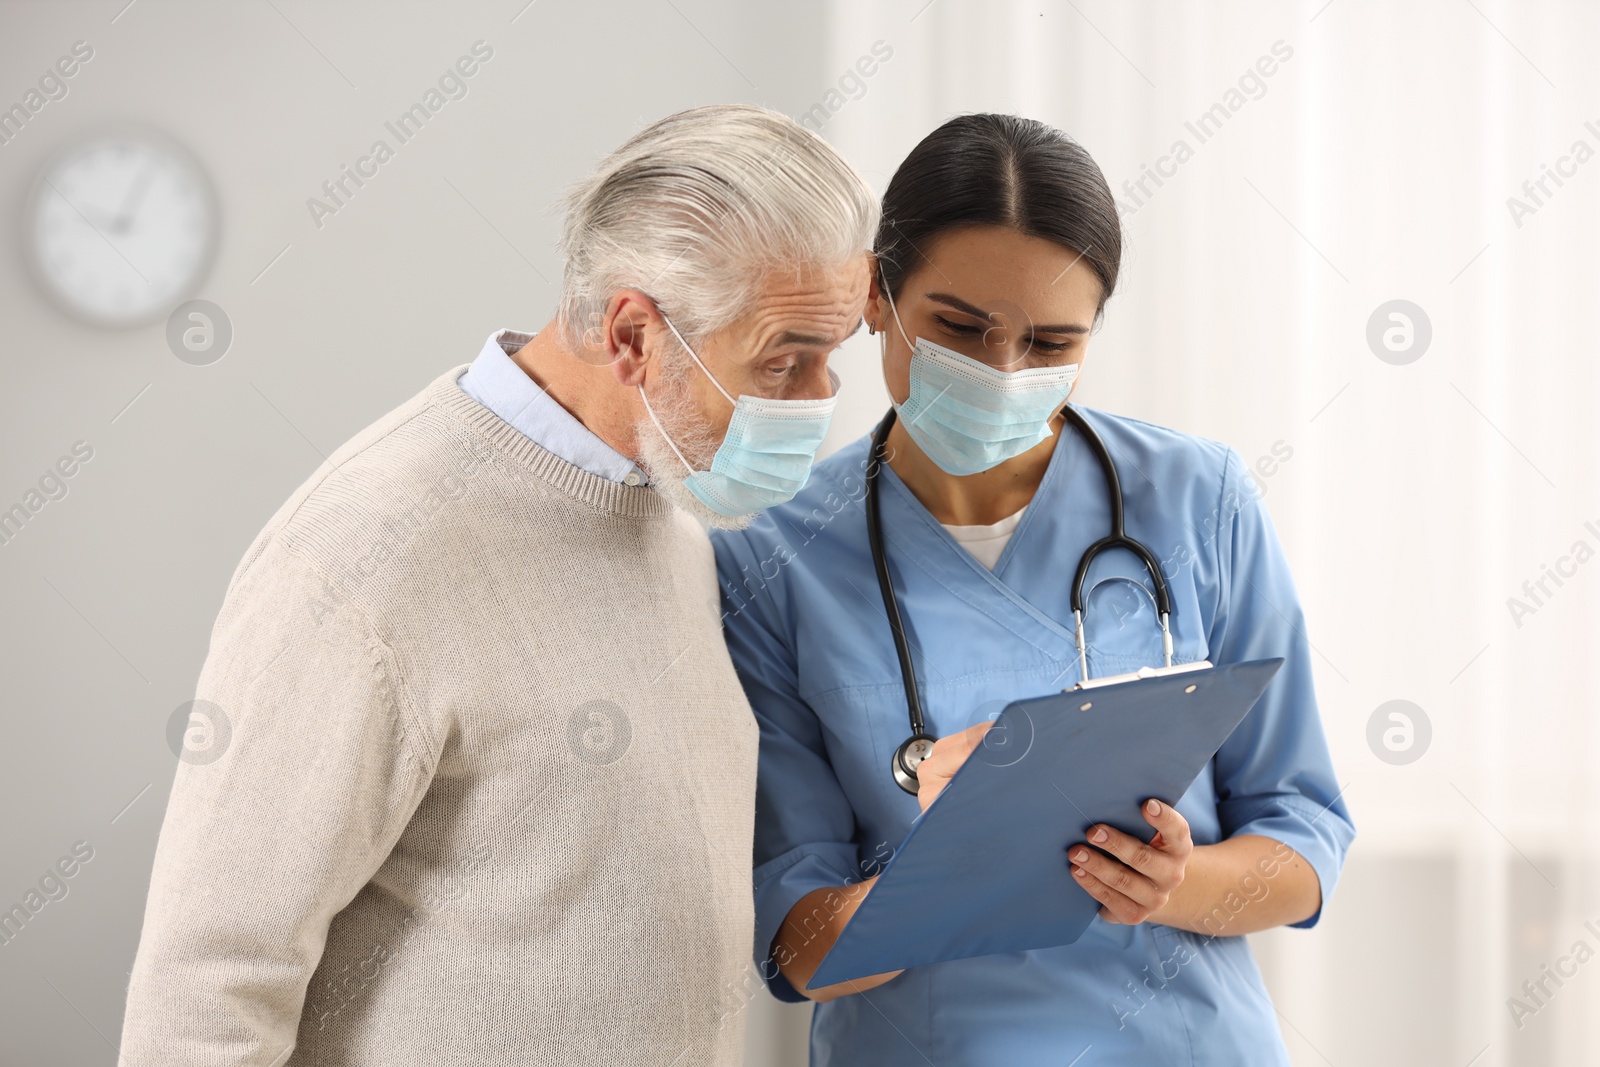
(486, 792)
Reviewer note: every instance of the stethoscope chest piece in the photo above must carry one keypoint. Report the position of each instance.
(908, 757)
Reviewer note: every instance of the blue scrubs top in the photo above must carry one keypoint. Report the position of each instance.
(805, 625)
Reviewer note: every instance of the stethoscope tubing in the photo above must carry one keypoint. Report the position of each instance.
(903, 766)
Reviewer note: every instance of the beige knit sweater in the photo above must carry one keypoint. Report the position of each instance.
(486, 777)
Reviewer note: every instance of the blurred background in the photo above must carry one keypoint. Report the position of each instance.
(1362, 251)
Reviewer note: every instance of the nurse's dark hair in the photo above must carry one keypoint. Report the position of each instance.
(999, 170)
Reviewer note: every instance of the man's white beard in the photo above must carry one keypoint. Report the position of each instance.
(681, 417)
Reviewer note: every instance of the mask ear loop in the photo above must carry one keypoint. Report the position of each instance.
(662, 430)
(696, 359)
(895, 312)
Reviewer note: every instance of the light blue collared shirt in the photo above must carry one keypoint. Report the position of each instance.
(495, 381)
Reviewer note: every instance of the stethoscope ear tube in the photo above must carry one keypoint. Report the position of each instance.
(1117, 538)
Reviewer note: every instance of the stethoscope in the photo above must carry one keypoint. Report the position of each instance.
(916, 748)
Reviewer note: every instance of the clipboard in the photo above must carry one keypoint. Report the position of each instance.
(984, 869)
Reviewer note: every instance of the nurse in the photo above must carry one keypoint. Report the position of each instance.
(999, 247)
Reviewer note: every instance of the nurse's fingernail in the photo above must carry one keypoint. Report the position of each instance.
(1081, 856)
(1077, 872)
(1099, 835)
(1153, 807)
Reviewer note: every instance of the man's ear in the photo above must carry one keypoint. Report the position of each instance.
(630, 317)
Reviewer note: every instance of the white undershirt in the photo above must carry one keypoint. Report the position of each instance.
(986, 542)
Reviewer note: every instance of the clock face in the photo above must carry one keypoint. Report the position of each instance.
(121, 228)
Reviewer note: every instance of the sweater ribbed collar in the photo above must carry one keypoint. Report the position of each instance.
(629, 501)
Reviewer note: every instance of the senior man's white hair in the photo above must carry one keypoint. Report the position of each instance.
(695, 208)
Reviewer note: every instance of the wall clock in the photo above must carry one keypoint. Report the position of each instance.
(121, 227)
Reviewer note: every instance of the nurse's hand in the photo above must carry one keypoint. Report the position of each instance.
(1135, 880)
(949, 753)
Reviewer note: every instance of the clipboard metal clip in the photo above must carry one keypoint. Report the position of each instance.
(1141, 674)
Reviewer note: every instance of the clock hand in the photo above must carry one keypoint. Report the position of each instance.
(130, 202)
(98, 223)
(99, 232)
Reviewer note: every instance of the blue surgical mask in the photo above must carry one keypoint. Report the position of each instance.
(765, 457)
(968, 417)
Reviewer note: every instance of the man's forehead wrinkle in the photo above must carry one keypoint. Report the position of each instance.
(777, 314)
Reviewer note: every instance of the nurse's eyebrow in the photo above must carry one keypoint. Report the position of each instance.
(977, 312)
